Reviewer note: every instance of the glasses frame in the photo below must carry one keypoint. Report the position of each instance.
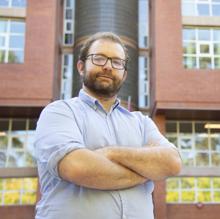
(107, 58)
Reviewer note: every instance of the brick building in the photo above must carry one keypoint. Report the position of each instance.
(174, 76)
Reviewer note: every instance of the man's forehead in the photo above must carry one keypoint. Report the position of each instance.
(107, 46)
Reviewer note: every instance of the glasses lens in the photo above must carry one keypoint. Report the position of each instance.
(99, 59)
(118, 63)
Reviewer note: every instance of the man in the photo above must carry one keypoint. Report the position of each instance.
(95, 158)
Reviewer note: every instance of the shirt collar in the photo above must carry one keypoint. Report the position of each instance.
(93, 102)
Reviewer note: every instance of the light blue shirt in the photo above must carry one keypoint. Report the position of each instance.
(81, 122)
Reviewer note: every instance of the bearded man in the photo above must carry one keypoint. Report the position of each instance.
(95, 158)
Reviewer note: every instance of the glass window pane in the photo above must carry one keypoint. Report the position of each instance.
(3, 3)
(16, 159)
(173, 140)
(201, 142)
(68, 3)
(2, 158)
(17, 27)
(16, 42)
(189, 48)
(204, 34)
(2, 41)
(216, 35)
(3, 26)
(11, 198)
(215, 142)
(203, 9)
(172, 183)
(200, 127)
(205, 63)
(171, 127)
(32, 124)
(172, 196)
(186, 127)
(216, 10)
(204, 48)
(3, 141)
(216, 48)
(19, 3)
(28, 198)
(217, 63)
(69, 14)
(185, 143)
(216, 196)
(204, 196)
(13, 184)
(29, 160)
(189, 34)
(187, 158)
(4, 124)
(203, 182)
(215, 159)
(188, 196)
(19, 125)
(18, 142)
(189, 62)
(68, 38)
(2, 56)
(187, 182)
(188, 9)
(16, 56)
(30, 184)
(202, 159)
(216, 182)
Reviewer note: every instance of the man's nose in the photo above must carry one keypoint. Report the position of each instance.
(108, 64)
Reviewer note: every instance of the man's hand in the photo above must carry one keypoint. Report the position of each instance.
(93, 169)
(152, 162)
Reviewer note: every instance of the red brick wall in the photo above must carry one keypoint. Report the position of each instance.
(174, 86)
(17, 212)
(32, 83)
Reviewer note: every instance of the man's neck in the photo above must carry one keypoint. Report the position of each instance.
(106, 102)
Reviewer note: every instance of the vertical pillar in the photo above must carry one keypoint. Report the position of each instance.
(120, 17)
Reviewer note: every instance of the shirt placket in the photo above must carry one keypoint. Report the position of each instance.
(113, 138)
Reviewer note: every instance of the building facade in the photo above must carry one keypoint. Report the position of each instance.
(174, 75)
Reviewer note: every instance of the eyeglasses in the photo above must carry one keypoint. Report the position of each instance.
(101, 60)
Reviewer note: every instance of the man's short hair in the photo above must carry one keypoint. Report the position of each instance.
(101, 36)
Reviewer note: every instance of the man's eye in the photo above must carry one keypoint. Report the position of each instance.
(117, 61)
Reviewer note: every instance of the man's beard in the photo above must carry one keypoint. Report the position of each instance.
(104, 89)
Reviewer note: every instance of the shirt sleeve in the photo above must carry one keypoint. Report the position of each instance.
(152, 135)
(57, 134)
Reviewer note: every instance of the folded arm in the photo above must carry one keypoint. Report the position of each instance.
(93, 170)
(154, 163)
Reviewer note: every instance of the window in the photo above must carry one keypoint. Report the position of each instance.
(67, 76)
(201, 48)
(16, 143)
(69, 6)
(18, 191)
(199, 146)
(143, 23)
(13, 3)
(143, 82)
(193, 190)
(200, 7)
(12, 41)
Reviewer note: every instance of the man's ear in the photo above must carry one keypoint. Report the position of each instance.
(80, 67)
